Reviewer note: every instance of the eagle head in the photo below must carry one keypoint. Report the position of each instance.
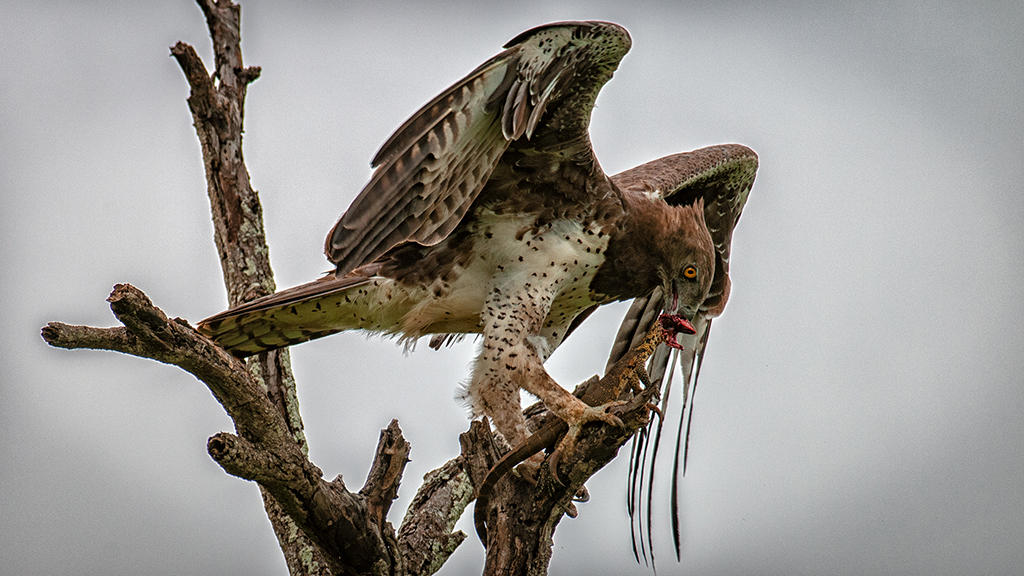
(687, 267)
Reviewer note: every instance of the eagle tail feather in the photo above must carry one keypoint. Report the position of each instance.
(305, 312)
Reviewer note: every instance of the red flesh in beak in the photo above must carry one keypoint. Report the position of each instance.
(673, 324)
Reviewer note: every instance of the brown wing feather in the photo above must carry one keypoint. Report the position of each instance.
(433, 167)
(722, 175)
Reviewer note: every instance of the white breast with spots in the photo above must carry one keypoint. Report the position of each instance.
(553, 266)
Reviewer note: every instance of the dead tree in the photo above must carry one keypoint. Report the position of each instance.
(338, 531)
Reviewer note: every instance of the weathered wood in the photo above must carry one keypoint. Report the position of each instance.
(347, 529)
(524, 513)
(218, 111)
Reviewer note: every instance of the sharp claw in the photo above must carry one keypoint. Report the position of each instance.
(582, 495)
(601, 414)
(571, 511)
(591, 414)
(614, 420)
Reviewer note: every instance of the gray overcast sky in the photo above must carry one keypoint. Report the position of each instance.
(860, 407)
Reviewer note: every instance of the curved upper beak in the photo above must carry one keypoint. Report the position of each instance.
(676, 324)
(673, 325)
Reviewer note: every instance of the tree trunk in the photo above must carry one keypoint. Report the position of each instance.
(218, 110)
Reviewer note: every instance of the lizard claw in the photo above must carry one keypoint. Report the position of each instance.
(581, 495)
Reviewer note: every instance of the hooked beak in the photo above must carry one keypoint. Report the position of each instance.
(673, 325)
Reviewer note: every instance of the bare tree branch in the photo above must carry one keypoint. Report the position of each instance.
(427, 536)
(346, 527)
(523, 513)
(217, 103)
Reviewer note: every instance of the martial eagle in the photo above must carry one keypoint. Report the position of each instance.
(489, 214)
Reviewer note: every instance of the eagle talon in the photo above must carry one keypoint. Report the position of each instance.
(568, 443)
(570, 510)
(599, 414)
(581, 495)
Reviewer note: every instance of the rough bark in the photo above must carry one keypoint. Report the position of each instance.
(322, 527)
(522, 513)
(217, 103)
(349, 530)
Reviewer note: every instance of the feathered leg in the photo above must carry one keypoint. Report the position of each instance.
(512, 357)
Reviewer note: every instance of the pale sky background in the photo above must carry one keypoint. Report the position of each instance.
(860, 409)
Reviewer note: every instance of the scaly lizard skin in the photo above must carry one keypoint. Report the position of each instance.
(623, 374)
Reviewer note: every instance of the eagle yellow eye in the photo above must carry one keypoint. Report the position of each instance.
(689, 272)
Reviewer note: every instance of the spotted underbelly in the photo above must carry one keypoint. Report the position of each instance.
(555, 264)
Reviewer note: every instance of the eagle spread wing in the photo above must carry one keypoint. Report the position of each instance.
(488, 213)
(432, 169)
